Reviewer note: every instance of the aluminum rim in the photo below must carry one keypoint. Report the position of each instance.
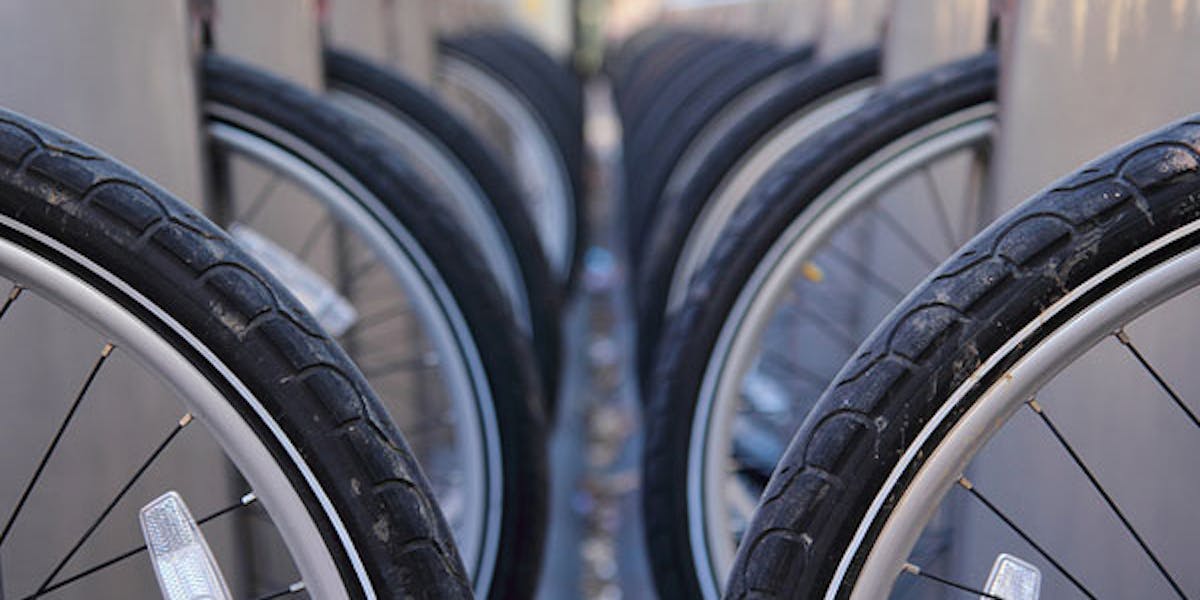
(715, 215)
(736, 347)
(459, 191)
(542, 174)
(988, 413)
(240, 443)
(477, 431)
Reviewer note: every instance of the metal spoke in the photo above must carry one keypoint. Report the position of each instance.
(245, 500)
(975, 493)
(866, 274)
(295, 588)
(378, 317)
(906, 237)
(1162, 383)
(62, 428)
(179, 426)
(831, 327)
(915, 570)
(939, 206)
(973, 216)
(13, 294)
(1037, 408)
(260, 200)
(311, 238)
(397, 366)
(358, 271)
(797, 370)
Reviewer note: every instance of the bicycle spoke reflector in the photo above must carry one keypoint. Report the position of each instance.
(181, 558)
(332, 311)
(1014, 579)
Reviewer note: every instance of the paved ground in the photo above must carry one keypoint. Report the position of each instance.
(594, 549)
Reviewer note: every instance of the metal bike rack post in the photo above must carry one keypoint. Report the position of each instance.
(398, 33)
(117, 74)
(1082, 76)
(113, 73)
(548, 21)
(795, 21)
(281, 36)
(922, 34)
(848, 25)
(1079, 78)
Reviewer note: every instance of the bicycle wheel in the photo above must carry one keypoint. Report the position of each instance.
(312, 189)
(679, 117)
(194, 352)
(714, 179)
(790, 289)
(518, 114)
(468, 179)
(1053, 300)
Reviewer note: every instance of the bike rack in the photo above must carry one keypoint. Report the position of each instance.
(1080, 77)
(119, 75)
(922, 35)
(398, 33)
(115, 74)
(848, 25)
(282, 36)
(795, 21)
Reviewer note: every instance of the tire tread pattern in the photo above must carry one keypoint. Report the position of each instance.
(179, 259)
(903, 373)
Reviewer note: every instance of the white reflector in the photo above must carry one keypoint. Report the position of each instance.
(332, 311)
(182, 561)
(1014, 579)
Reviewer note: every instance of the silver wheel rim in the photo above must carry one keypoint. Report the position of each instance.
(541, 175)
(989, 412)
(458, 190)
(715, 215)
(308, 548)
(736, 348)
(477, 529)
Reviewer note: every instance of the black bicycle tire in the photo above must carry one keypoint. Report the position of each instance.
(692, 334)
(505, 352)
(990, 289)
(677, 132)
(638, 153)
(347, 71)
(662, 69)
(563, 134)
(173, 257)
(678, 214)
(563, 82)
(622, 60)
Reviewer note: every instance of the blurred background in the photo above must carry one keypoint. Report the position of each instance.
(1076, 78)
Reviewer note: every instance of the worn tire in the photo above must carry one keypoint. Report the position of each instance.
(677, 213)
(504, 351)
(942, 337)
(170, 258)
(691, 337)
(354, 74)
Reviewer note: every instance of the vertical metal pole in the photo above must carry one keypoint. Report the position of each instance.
(922, 34)
(399, 33)
(119, 75)
(795, 21)
(1081, 76)
(281, 36)
(549, 21)
(116, 74)
(848, 25)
